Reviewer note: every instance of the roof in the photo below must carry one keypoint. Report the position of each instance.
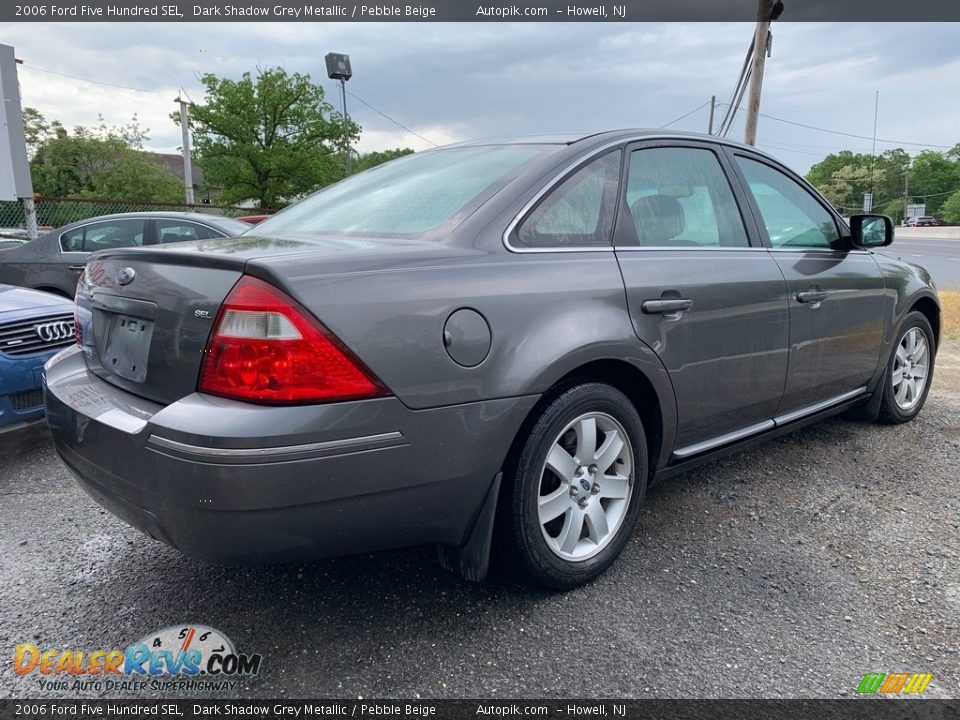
(599, 138)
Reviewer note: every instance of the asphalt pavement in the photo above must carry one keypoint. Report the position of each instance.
(789, 570)
(940, 257)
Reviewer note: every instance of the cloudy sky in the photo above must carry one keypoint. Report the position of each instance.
(452, 82)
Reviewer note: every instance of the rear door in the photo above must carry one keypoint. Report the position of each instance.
(836, 292)
(702, 291)
(78, 243)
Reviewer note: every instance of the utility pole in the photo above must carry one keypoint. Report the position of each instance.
(713, 108)
(767, 12)
(185, 132)
(873, 150)
(346, 136)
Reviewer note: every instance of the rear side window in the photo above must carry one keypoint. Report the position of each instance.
(578, 212)
(792, 215)
(103, 235)
(171, 231)
(680, 197)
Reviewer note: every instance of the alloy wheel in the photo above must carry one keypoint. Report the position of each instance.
(585, 486)
(910, 369)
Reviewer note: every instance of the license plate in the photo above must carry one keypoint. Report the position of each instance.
(128, 347)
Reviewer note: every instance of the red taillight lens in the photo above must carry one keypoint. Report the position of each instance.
(266, 348)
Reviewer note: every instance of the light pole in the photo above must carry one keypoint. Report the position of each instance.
(338, 68)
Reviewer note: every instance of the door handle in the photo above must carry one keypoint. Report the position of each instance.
(652, 307)
(76, 267)
(812, 296)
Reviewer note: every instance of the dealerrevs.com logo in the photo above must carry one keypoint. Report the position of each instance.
(179, 657)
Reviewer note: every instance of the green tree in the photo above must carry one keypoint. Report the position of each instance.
(372, 159)
(101, 162)
(272, 137)
(37, 130)
(933, 177)
(822, 172)
(951, 209)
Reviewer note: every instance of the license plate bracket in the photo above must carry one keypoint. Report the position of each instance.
(128, 347)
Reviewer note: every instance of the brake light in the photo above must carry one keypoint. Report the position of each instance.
(265, 347)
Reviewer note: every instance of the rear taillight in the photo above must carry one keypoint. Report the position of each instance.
(265, 347)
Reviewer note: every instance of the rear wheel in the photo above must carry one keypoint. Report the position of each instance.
(909, 371)
(578, 486)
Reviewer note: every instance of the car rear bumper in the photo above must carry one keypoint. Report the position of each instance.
(234, 482)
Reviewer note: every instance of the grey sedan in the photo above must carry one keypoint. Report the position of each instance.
(493, 344)
(53, 262)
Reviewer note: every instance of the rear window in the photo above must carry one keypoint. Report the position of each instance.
(407, 197)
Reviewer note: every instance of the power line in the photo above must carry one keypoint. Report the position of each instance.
(88, 80)
(688, 114)
(398, 124)
(737, 94)
(853, 135)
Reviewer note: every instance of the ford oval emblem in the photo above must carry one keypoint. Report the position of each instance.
(126, 276)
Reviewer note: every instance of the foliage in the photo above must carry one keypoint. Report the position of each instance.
(372, 159)
(934, 176)
(272, 137)
(100, 162)
(37, 130)
(894, 178)
(951, 209)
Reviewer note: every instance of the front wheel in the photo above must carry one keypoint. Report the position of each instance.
(909, 371)
(578, 486)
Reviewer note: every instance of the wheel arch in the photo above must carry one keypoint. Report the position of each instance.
(646, 391)
(931, 310)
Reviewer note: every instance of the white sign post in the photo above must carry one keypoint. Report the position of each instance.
(14, 169)
(867, 202)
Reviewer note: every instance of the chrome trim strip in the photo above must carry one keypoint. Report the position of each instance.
(817, 407)
(776, 422)
(729, 437)
(686, 248)
(345, 444)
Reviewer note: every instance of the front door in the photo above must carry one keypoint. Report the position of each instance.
(706, 298)
(836, 292)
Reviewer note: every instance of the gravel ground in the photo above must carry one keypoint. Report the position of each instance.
(788, 570)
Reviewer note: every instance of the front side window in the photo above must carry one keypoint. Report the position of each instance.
(680, 197)
(578, 212)
(104, 235)
(792, 215)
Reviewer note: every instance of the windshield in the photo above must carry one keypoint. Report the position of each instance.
(407, 197)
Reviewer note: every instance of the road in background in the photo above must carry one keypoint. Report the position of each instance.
(939, 256)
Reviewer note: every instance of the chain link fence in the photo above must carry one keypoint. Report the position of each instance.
(53, 212)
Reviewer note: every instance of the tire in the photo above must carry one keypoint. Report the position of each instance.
(571, 548)
(900, 403)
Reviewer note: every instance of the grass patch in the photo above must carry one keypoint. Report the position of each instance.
(950, 307)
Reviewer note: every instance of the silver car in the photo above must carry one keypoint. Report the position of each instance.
(507, 339)
(53, 262)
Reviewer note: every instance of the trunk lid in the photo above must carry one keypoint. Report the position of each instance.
(144, 315)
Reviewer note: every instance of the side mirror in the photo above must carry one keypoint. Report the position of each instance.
(870, 231)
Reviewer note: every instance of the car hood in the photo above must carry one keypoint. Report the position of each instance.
(21, 300)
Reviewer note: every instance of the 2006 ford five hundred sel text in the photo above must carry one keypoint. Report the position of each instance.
(496, 341)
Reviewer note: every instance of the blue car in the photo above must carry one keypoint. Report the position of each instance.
(33, 327)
